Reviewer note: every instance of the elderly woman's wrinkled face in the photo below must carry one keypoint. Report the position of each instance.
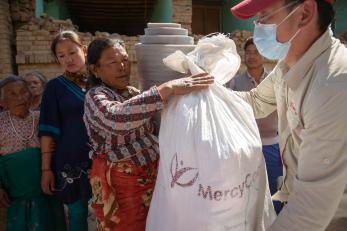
(35, 85)
(16, 97)
(114, 67)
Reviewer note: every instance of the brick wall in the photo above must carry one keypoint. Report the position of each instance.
(21, 11)
(6, 64)
(33, 45)
(182, 13)
(33, 40)
(6, 38)
(33, 37)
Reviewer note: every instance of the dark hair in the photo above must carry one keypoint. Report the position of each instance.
(343, 37)
(326, 12)
(37, 74)
(249, 41)
(10, 79)
(65, 35)
(95, 49)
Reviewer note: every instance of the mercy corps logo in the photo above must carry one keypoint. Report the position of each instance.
(178, 171)
(190, 175)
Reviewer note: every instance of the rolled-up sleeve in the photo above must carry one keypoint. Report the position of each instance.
(322, 164)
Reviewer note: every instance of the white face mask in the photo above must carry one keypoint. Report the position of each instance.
(265, 38)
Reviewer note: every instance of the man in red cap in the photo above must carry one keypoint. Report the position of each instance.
(308, 87)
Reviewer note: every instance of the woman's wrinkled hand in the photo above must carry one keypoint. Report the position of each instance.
(185, 86)
(193, 83)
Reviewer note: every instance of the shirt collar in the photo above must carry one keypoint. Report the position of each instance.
(123, 92)
(265, 73)
(295, 74)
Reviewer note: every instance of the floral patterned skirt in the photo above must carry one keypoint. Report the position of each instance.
(122, 193)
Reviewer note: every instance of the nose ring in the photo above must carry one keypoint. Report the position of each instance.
(122, 66)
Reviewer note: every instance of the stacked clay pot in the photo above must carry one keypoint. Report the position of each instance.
(160, 40)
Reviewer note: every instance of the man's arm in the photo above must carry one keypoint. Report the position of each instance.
(322, 163)
(262, 98)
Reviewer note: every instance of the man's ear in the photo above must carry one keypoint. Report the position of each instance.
(309, 11)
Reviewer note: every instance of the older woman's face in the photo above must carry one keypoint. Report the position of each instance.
(35, 85)
(114, 67)
(16, 97)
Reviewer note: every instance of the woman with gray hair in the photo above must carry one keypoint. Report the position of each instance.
(20, 160)
(36, 82)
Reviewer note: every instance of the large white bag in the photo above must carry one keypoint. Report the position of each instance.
(212, 173)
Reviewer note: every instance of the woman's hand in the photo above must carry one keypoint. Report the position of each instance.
(4, 199)
(185, 85)
(47, 182)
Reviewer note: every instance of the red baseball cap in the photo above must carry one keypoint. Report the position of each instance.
(249, 8)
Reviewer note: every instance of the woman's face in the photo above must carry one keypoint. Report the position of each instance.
(114, 67)
(16, 97)
(35, 85)
(71, 56)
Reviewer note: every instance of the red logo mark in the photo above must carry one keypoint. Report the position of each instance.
(293, 107)
(177, 173)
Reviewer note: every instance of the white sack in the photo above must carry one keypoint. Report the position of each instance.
(212, 173)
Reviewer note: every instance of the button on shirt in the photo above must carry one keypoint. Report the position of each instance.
(311, 100)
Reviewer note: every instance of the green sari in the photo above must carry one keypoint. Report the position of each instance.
(30, 209)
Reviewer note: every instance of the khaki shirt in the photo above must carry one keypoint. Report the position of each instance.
(311, 100)
(267, 126)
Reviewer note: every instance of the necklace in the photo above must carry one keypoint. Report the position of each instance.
(24, 139)
(80, 79)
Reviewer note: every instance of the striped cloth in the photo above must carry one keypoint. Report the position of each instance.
(118, 123)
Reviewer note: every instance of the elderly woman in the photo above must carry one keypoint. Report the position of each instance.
(125, 153)
(20, 160)
(36, 82)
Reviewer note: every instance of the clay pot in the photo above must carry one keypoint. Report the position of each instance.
(160, 40)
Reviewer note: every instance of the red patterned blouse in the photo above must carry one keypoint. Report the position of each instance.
(118, 123)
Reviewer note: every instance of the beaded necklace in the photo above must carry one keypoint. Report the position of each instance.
(24, 139)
